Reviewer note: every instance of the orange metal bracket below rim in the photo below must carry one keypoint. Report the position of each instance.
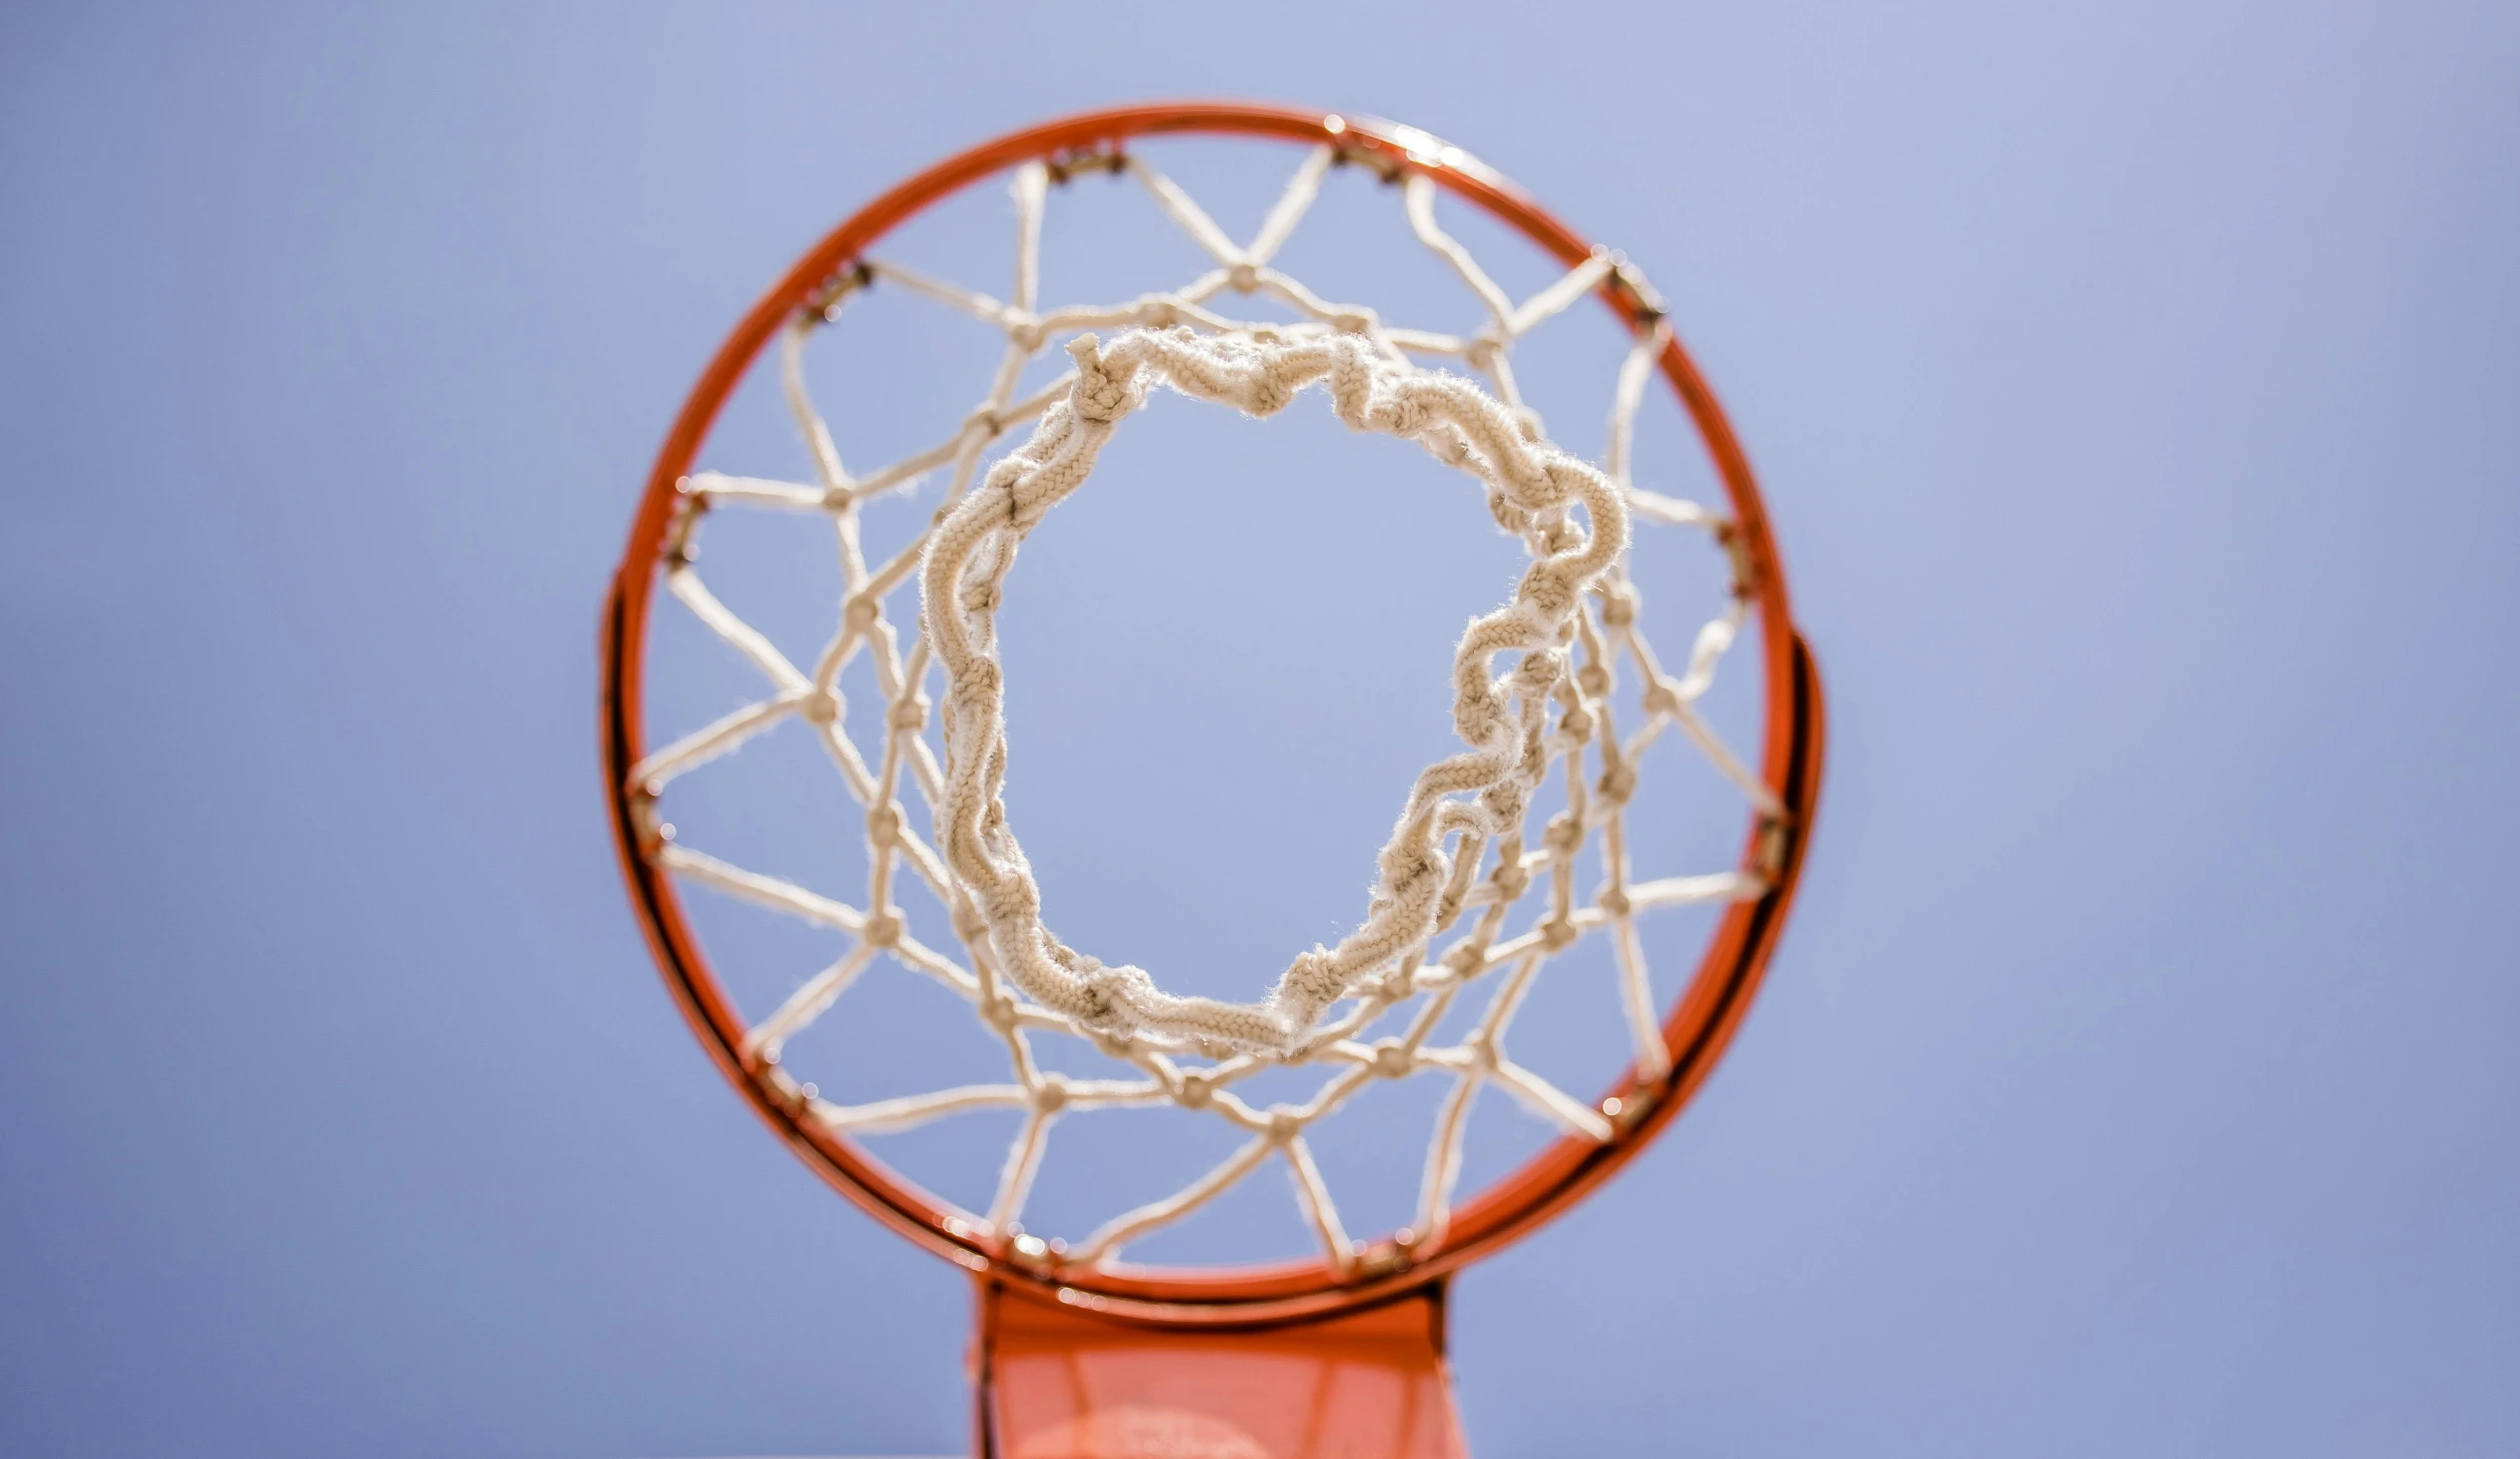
(1701, 1023)
(1050, 1382)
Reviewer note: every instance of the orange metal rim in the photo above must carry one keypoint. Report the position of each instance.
(1697, 1031)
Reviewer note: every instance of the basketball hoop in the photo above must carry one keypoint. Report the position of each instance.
(1474, 894)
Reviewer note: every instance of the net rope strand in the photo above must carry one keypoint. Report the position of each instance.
(1462, 857)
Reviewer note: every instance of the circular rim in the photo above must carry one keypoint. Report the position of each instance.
(1696, 1031)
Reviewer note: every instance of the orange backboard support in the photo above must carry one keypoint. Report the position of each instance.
(1060, 1382)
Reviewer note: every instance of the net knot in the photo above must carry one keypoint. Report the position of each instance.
(1662, 697)
(1096, 396)
(1315, 978)
(1285, 1124)
(1592, 680)
(1109, 989)
(1393, 1059)
(821, 707)
(1617, 784)
(860, 612)
(1563, 835)
(910, 713)
(1195, 1090)
(883, 929)
(1028, 499)
(1614, 902)
(883, 827)
(1619, 606)
(1050, 1096)
(1558, 934)
(1510, 879)
(1023, 331)
(1245, 278)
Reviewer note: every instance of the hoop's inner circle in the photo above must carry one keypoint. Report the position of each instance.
(820, 836)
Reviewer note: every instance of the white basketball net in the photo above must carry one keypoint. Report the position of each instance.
(1460, 859)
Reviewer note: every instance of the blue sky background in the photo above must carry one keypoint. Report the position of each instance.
(2133, 385)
